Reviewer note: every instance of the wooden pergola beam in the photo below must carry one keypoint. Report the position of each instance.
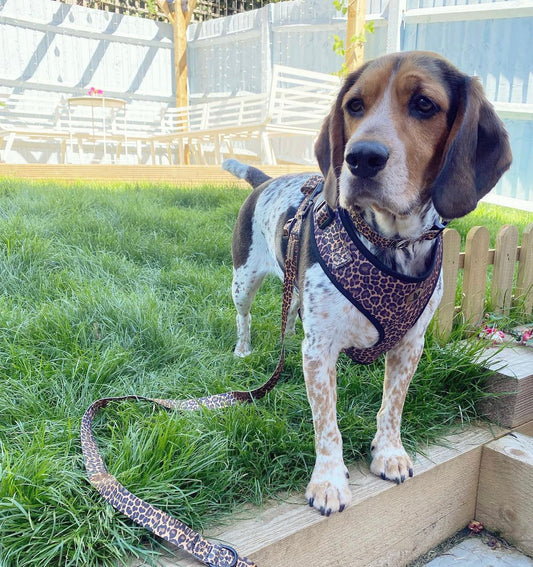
(164, 7)
(179, 14)
(355, 29)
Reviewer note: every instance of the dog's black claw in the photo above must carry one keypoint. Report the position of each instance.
(341, 509)
(411, 473)
(397, 480)
(322, 511)
(383, 476)
(311, 502)
(328, 512)
(347, 474)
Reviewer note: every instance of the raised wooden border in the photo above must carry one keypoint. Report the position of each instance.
(513, 384)
(386, 524)
(505, 494)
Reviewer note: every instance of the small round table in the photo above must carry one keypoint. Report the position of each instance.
(95, 102)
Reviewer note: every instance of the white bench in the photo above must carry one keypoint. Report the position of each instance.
(210, 127)
(299, 102)
(248, 125)
(296, 106)
(31, 115)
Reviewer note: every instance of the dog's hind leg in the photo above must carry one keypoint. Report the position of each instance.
(246, 282)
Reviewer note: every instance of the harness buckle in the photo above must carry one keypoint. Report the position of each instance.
(402, 243)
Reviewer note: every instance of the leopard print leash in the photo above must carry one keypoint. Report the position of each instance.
(158, 522)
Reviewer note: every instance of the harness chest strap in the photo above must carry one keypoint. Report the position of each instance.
(391, 301)
(158, 522)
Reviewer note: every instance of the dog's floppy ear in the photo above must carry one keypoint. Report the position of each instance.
(476, 154)
(329, 147)
(329, 144)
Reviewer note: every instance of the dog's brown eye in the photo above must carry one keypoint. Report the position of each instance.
(423, 107)
(356, 107)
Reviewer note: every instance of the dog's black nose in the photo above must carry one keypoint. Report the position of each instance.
(366, 159)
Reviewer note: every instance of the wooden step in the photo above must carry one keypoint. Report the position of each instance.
(513, 382)
(505, 494)
(385, 525)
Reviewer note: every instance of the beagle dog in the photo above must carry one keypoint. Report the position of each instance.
(410, 140)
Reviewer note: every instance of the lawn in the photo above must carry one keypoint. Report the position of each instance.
(493, 217)
(109, 290)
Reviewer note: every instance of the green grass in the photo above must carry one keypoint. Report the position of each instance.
(493, 217)
(114, 290)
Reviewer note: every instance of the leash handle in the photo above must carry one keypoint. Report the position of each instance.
(158, 522)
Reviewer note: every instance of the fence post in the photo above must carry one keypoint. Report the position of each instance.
(355, 28)
(395, 14)
(475, 274)
(524, 281)
(504, 269)
(450, 269)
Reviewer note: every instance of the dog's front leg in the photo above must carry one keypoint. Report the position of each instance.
(390, 461)
(328, 490)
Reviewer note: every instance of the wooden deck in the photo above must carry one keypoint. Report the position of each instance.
(193, 175)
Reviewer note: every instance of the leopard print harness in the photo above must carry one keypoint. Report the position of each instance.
(391, 301)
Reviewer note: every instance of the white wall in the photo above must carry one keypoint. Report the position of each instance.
(46, 45)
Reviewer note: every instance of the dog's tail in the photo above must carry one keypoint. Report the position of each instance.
(252, 175)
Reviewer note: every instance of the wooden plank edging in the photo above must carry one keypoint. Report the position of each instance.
(417, 515)
(505, 493)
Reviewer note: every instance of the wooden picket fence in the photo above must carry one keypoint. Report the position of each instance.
(511, 282)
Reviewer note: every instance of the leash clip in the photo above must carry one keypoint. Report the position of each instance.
(232, 560)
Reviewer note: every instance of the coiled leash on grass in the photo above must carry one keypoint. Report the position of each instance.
(160, 523)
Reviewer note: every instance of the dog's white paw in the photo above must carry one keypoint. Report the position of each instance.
(242, 349)
(391, 462)
(328, 491)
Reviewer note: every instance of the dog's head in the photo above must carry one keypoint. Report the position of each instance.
(407, 128)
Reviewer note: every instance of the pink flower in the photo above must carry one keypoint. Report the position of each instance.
(95, 92)
(493, 334)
